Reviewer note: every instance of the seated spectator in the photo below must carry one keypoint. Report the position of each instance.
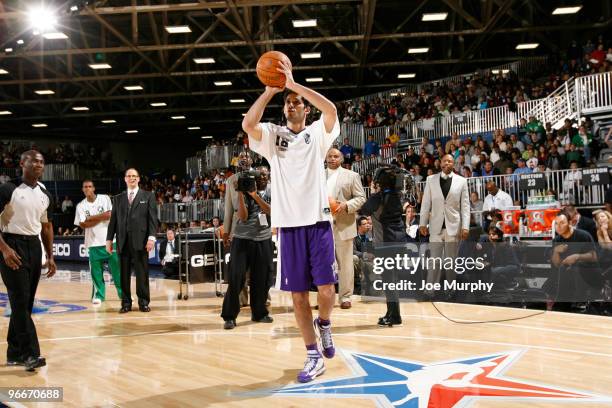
(412, 223)
(521, 169)
(67, 205)
(581, 222)
(168, 255)
(501, 259)
(475, 208)
(575, 264)
(363, 252)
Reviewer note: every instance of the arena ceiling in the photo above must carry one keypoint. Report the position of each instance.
(109, 67)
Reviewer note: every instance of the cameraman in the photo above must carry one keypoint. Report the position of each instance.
(230, 218)
(385, 207)
(251, 248)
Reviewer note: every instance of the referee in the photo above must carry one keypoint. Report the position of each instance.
(25, 214)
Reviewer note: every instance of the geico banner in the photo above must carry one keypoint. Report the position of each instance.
(73, 249)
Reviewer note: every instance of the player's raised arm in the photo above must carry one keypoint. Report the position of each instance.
(327, 107)
(250, 123)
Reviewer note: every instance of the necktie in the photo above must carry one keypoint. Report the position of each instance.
(131, 197)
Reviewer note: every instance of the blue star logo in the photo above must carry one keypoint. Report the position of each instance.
(396, 383)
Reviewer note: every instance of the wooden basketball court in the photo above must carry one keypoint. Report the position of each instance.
(179, 355)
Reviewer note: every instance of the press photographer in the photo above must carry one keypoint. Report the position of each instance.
(251, 248)
(385, 207)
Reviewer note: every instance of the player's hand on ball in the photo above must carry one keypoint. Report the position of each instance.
(424, 230)
(285, 69)
(465, 234)
(274, 90)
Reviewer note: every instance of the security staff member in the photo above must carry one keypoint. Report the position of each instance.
(25, 213)
(251, 247)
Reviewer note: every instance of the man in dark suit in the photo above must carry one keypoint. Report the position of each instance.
(168, 255)
(134, 221)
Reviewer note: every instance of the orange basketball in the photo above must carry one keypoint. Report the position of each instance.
(266, 69)
(333, 205)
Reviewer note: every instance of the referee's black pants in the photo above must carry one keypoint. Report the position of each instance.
(256, 256)
(129, 257)
(21, 286)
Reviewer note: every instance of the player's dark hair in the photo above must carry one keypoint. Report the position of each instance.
(288, 92)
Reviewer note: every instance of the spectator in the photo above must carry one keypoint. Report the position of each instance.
(574, 262)
(347, 150)
(371, 148)
(578, 221)
(67, 205)
(476, 208)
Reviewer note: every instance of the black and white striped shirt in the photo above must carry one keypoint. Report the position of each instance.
(23, 209)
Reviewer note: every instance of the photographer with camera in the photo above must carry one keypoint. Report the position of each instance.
(385, 207)
(251, 248)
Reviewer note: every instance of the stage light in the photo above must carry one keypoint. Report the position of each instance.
(42, 19)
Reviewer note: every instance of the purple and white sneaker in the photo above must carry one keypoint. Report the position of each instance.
(324, 336)
(313, 367)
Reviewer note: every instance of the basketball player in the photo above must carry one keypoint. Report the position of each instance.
(93, 215)
(301, 209)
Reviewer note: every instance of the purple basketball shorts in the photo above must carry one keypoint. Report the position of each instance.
(306, 257)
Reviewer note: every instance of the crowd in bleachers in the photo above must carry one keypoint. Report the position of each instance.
(479, 91)
(89, 157)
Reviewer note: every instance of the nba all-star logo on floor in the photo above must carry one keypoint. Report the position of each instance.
(456, 383)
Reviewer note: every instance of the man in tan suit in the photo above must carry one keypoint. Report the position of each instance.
(445, 216)
(345, 187)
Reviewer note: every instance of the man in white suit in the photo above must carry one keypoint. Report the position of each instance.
(446, 209)
(345, 187)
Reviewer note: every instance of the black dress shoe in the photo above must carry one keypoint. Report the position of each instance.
(265, 319)
(229, 324)
(32, 363)
(125, 309)
(144, 308)
(389, 322)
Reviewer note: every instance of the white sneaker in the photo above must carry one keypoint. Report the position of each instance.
(313, 367)
(96, 302)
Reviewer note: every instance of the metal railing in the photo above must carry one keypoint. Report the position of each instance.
(589, 94)
(63, 172)
(214, 157)
(174, 213)
(521, 68)
(567, 184)
(11, 172)
(354, 132)
(594, 93)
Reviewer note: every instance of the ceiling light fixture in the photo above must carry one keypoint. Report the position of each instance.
(434, 16)
(566, 10)
(304, 23)
(178, 29)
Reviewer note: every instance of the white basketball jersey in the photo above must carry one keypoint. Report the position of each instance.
(299, 192)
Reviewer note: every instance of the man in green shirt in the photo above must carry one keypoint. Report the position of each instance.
(536, 126)
(582, 141)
